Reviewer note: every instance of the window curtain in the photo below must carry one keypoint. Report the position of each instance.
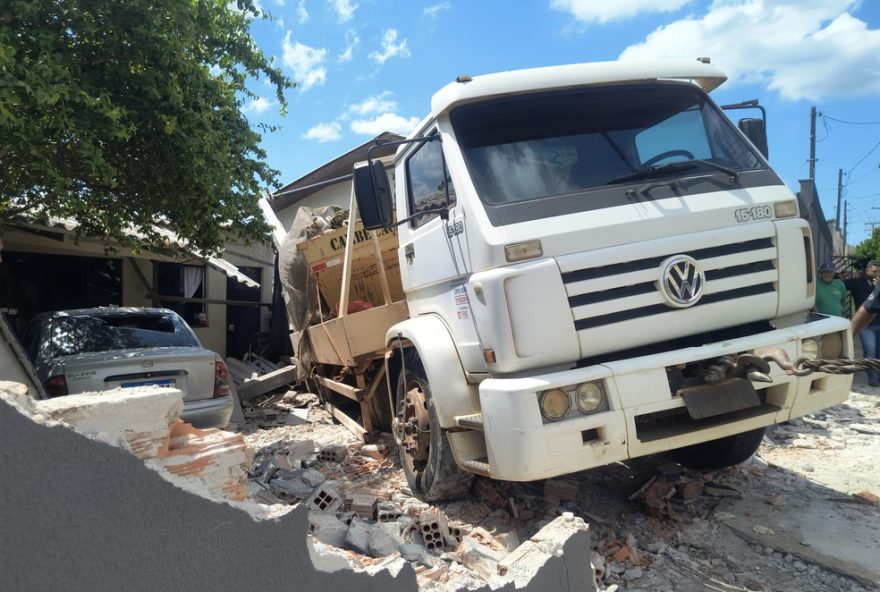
(192, 279)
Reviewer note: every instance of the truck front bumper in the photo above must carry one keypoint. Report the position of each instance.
(643, 415)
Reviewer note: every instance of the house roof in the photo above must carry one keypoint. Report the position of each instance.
(65, 226)
(338, 169)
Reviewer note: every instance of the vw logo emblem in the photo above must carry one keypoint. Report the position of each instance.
(682, 281)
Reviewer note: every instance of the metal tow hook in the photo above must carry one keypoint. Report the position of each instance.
(728, 366)
(780, 358)
(762, 368)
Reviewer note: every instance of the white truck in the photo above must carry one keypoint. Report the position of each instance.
(597, 265)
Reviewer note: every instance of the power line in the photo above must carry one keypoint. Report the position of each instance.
(850, 122)
(877, 145)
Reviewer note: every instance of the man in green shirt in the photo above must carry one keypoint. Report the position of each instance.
(830, 292)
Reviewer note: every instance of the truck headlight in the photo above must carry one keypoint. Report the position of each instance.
(555, 404)
(785, 209)
(810, 348)
(589, 397)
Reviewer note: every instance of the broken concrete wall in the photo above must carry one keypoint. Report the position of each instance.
(78, 513)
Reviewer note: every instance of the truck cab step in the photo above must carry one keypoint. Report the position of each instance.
(473, 422)
(478, 466)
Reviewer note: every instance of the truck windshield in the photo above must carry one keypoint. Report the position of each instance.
(581, 141)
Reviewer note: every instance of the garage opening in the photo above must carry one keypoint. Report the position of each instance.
(31, 283)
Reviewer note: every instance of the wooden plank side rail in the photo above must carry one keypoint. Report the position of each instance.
(355, 394)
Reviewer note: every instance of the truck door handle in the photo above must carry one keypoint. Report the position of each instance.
(410, 253)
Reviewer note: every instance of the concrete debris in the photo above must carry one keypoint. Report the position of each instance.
(564, 544)
(411, 551)
(718, 490)
(372, 451)
(384, 539)
(292, 488)
(867, 496)
(560, 490)
(477, 540)
(390, 512)
(364, 505)
(328, 529)
(333, 454)
(358, 535)
(689, 489)
(325, 499)
(434, 529)
(215, 459)
(479, 557)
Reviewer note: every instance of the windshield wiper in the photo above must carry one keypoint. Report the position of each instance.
(672, 167)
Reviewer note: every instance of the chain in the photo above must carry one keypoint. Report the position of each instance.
(839, 366)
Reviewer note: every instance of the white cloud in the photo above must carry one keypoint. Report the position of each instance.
(381, 103)
(324, 132)
(351, 42)
(344, 9)
(302, 15)
(387, 122)
(433, 10)
(258, 105)
(596, 11)
(306, 63)
(808, 49)
(390, 47)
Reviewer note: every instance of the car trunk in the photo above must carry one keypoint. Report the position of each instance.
(186, 368)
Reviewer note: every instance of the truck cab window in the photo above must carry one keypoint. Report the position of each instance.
(676, 135)
(427, 180)
(587, 142)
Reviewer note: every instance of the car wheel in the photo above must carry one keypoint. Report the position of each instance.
(720, 453)
(425, 452)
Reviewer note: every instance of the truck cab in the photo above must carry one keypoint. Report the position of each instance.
(598, 265)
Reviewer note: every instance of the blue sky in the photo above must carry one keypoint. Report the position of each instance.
(367, 66)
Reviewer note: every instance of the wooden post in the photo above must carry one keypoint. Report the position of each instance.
(137, 270)
(386, 292)
(349, 246)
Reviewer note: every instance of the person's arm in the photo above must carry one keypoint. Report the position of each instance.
(866, 312)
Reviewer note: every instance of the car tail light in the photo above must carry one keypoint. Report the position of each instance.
(222, 381)
(56, 386)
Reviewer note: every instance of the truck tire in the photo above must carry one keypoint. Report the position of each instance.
(720, 453)
(425, 453)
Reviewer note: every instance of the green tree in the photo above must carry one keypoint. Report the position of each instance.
(869, 248)
(124, 114)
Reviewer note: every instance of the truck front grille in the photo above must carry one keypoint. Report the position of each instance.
(628, 290)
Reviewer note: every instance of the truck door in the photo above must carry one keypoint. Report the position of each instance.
(433, 250)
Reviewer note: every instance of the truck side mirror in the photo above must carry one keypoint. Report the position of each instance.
(756, 132)
(371, 190)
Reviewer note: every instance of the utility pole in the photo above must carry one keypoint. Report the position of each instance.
(839, 193)
(845, 211)
(813, 143)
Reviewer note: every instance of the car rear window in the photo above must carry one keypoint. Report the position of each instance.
(83, 334)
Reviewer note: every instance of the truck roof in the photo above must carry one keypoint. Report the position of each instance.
(707, 76)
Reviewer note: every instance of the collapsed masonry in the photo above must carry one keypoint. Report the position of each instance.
(80, 514)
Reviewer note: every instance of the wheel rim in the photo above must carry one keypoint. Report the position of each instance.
(414, 427)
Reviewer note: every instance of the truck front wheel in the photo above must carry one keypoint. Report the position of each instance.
(720, 453)
(425, 453)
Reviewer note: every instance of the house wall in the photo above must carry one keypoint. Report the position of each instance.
(134, 293)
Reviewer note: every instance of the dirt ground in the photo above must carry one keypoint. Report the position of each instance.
(798, 516)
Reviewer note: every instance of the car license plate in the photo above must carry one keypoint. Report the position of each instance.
(165, 382)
